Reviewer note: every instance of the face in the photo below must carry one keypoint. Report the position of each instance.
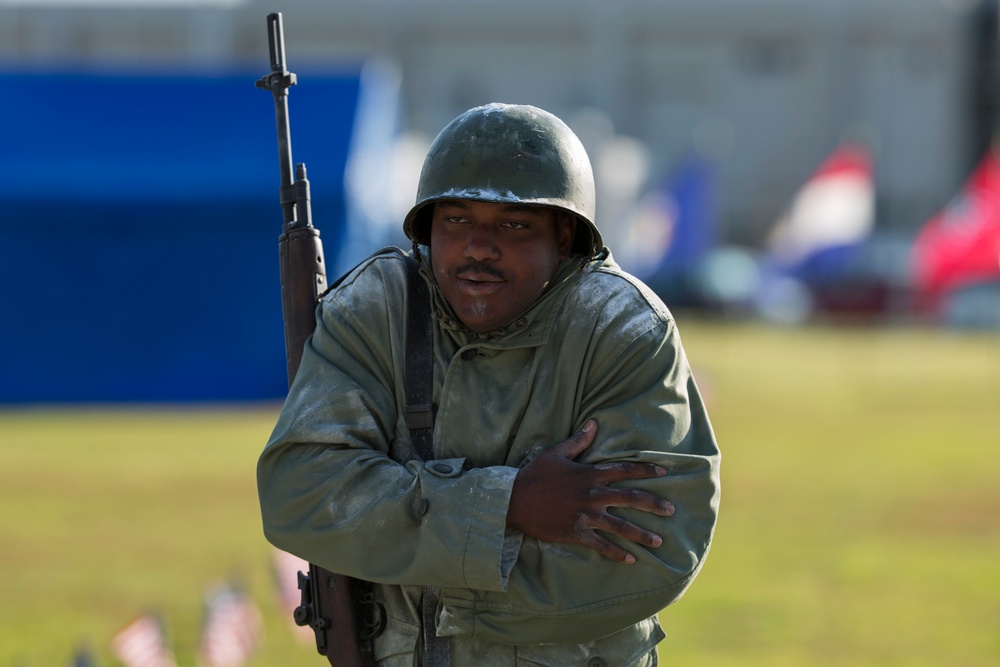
(492, 261)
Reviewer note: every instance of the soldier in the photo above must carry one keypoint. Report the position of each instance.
(571, 486)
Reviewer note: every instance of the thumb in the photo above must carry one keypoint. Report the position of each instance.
(577, 443)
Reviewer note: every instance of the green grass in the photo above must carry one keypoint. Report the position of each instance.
(860, 519)
(107, 513)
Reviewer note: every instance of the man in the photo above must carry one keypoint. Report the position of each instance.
(573, 486)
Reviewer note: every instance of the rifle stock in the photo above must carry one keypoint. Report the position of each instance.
(330, 602)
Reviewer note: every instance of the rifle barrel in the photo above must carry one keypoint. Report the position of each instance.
(329, 604)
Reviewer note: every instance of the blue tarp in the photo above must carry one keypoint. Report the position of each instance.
(139, 221)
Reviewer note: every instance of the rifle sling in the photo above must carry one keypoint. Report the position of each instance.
(420, 422)
(419, 363)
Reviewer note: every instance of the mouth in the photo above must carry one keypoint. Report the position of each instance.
(478, 284)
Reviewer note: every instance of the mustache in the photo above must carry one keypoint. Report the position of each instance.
(475, 267)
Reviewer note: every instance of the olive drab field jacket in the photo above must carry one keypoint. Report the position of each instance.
(341, 485)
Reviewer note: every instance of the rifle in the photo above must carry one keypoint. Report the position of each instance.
(331, 604)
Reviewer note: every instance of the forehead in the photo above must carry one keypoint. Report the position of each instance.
(472, 205)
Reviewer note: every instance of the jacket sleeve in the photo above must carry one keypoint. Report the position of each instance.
(331, 484)
(640, 388)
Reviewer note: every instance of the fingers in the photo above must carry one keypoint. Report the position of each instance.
(578, 513)
(577, 443)
(637, 499)
(614, 525)
(615, 471)
(625, 529)
(620, 527)
(607, 548)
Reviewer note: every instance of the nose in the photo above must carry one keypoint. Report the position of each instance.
(481, 245)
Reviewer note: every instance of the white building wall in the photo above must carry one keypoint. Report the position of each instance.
(769, 86)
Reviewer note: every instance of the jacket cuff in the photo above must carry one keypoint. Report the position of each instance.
(491, 549)
(508, 556)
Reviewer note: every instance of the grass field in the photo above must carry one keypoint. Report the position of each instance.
(860, 520)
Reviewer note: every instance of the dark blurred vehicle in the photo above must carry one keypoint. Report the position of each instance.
(974, 306)
(869, 281)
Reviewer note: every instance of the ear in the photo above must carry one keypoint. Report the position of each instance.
(566, 231)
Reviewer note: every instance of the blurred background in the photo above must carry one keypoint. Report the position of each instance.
(767, 159)
(800, 181)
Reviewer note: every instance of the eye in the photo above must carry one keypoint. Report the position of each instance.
(516, 224)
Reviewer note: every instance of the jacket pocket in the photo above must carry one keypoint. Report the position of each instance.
(397, 644)
(632, 647)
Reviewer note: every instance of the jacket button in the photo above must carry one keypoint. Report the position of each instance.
(442, 468)
(521, 323)
(597, 661)
(422, 507)
(470, 354)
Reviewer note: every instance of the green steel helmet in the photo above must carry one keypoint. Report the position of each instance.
(508, 153)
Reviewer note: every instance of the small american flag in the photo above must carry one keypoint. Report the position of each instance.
(286, 569)
(233, 628)
(142, 643)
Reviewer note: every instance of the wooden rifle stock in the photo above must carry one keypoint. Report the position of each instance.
(331, 603)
